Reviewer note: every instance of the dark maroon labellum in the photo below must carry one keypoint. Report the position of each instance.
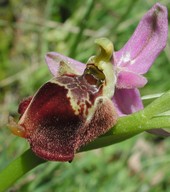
(65, 114)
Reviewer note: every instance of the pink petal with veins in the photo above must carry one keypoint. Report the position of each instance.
(148, 40)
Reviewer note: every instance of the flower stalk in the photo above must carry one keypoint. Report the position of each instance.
(17, 168)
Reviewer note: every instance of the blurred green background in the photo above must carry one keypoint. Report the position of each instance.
(29, 29)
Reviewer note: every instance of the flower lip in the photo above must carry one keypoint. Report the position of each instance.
(65, 114)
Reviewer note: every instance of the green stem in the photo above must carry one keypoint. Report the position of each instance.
(18, 168)
(83, 24)
(125, 129)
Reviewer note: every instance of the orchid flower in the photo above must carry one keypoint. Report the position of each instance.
(82, 102)
(130, 62)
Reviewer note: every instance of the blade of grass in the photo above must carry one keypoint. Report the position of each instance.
(82, 27)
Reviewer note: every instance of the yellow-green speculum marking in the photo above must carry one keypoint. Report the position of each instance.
(103, 62)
